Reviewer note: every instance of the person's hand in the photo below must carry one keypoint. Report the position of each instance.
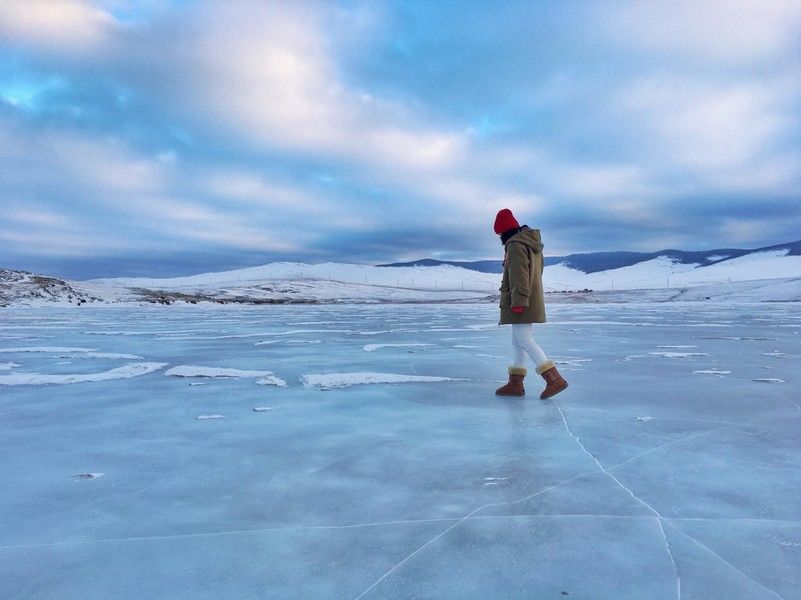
(518, 309)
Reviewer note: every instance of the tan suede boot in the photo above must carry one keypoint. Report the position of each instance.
(554, 382)
(515, 385)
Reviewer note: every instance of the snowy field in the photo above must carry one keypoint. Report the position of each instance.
(359, 452)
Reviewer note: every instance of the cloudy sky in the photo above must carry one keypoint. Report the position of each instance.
(178, 136)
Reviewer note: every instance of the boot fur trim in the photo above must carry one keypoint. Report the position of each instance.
(545, 367)
(518, 371)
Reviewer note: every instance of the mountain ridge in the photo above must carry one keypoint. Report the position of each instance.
(595, 262)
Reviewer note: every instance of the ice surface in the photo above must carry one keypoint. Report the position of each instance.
(646, 479)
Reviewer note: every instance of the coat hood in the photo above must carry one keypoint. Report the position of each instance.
(529, 237)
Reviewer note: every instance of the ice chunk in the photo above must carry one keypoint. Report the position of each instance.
(197, 371)
(124, 372)
(271, 380)
(712, 372)
(571, 362)
(89, 475)
(342, 380)
(374, 347)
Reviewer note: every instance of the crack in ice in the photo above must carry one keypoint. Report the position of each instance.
(548, 489)
(723, 560)
(659, 517)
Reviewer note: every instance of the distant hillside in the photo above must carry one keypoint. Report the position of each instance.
(482, 266)
(765, 274)
(596, 262)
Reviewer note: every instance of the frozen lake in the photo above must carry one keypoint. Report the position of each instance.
(671, 467)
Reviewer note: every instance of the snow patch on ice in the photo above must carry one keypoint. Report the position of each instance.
(769, 380)
(116, 355)
(775, 354)
(379, 332)
(59, 349)
(342, 380)
(374, 347)
(676, 347)
(679, 354)
(124, 372)
(712, 372)
(72, 352)
(571, 362)
(209, 417)
(197, 371)
(261, 408)
(645, 419)
(272, 380)
(7, 366)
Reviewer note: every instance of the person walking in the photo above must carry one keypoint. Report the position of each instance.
(523, 303)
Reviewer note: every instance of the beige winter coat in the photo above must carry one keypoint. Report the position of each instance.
(522, 279)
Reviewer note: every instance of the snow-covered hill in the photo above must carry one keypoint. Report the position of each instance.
(771, 275)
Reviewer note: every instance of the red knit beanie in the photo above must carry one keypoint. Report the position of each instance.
(505, 221)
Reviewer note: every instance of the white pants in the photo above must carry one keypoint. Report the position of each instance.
(524, 344)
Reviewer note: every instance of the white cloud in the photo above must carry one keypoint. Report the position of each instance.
(81, 188)
(34, 217)
(720, 31)
(266, 69)
(730, 134)
(56, 25)
(243, 186)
